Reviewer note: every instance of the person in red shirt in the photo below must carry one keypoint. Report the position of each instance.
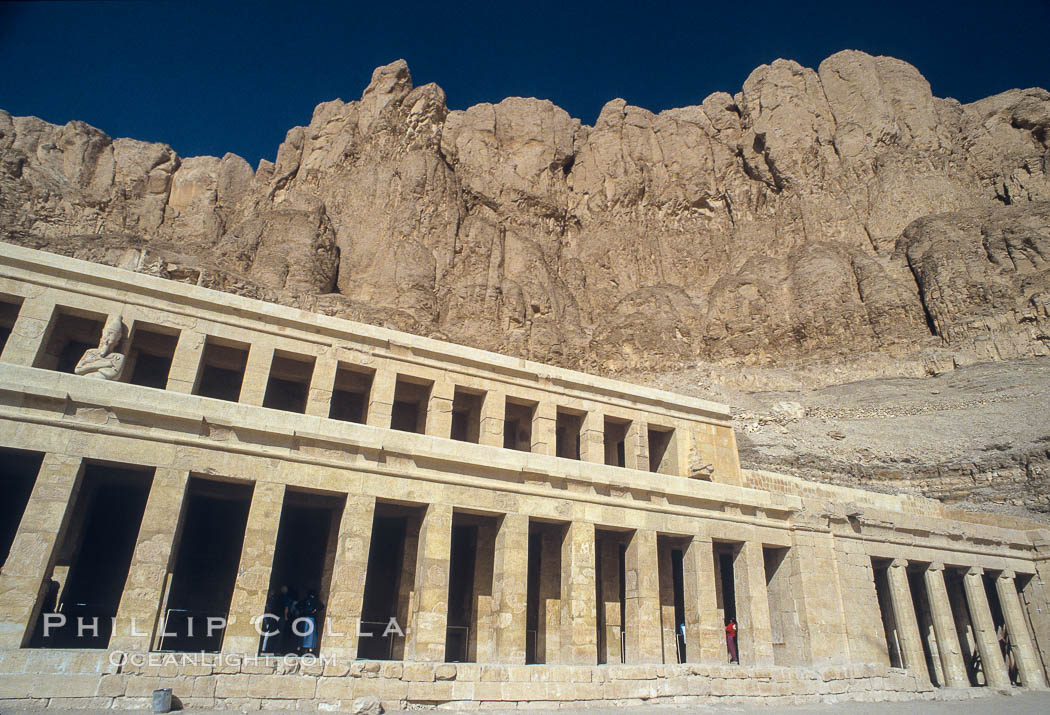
(731, 641)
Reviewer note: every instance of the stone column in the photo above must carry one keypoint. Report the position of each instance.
(636, 446)
(186, 362)
(429, 623)
(347, 590)
(944, 627)
(29, 331)
(704, 638)
(138, 614)
(256, 374)
(510, 588)
(248, 602)
(754, 640)
(319, 398)
(35, 547)
(548, 626)
(381, 397)
(984, 630)
(1028, 664)
(481, 635)
(904, 615)
(643, 642)
(820, 634)
(592, 438)
(406, 584)
(668, 627)
(493, 412)
(609, 553)
(439, 409)
(544, 428)
(579, 612)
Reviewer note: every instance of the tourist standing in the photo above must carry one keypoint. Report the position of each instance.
(731, 641)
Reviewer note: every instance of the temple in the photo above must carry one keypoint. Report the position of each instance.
(480, 529)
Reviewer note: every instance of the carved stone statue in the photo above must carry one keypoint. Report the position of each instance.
(102, 362)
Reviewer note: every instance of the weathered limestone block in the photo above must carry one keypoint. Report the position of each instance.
(636, 446)
(152, 560)
(1020, 639)
(578, 603)
(256, 374)
(752, 606)
(319, 398)
(185, 363)
(643, 641)
(381, 398)
(944, 628)
(907, 622)
(345, 599)
(544, 428)
(33, 551)
(984, 630)
(429, 620)
(253, 573)
(592, 438)
(439, 409)
(704, 637)
(510, 588)
(29, 332)
(493, 412)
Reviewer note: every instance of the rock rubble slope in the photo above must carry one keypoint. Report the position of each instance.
(838, 216)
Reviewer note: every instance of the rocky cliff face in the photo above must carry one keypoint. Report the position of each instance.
(814, 213)
(813, 216)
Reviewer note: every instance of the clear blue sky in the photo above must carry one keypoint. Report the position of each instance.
(209, 78)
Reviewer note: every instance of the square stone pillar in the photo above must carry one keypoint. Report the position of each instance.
(545, 428)
(944, 627)
(35, 547)
(548, 625)
(510, 588)
(381, 398)
(984, 630)
(592, 438)
(705, 640)
(322, 382)
(406, 584)
(820, 635)
(347, 590)
(1027, 659)
(429, 622)
(256, 374)
(643, 642)
(904, 615)
(609, 554)
(754, 638)
(636, 446)
(439, 409)
(139, 612)
(29, 331)
(668, 626)
(493, 413)
(186, 362)
(248, 602)
(579, 610)
(482, 634)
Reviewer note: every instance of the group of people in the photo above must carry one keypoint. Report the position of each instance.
(291, 623)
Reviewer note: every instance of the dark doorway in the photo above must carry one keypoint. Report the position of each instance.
(678, 584)
(616, 441)
(661, 451)
(411, 399)
(389, 581)
(9, 307)
(466, 415)
(18, 472)
(71, 333)
(222, 370)
(288, 384)
(517, 425)
(206, 562)
(350, 394)
(151, 352)
(95, 555)
(567, 433)
(460, 592)
(299, 559)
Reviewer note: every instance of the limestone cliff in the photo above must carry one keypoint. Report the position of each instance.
(813, 216)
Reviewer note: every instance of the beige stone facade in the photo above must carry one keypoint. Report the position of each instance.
(535, 535)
